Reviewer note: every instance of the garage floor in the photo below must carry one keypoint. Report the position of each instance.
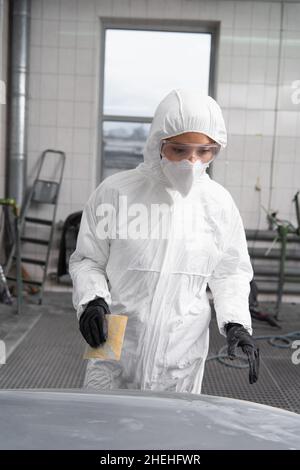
(45, 350)
(50, 355)
(279, 380)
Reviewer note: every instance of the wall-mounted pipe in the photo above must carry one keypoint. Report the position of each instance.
(1, 42)
(17, 101)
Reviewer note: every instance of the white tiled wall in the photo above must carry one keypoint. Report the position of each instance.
(64, 64)
(3, 88)
(247, 88)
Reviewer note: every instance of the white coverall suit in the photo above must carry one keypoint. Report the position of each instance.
(160, 284)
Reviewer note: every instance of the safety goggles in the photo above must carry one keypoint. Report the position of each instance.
(175, 151)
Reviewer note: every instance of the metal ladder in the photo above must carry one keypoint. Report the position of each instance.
(43, 192)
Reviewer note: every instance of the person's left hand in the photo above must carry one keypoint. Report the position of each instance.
(238, 336)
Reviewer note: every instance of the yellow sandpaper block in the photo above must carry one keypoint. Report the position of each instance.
(112, 347)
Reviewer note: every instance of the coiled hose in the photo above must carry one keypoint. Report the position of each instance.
(277, 341)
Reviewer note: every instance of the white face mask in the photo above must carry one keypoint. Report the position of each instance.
(183, 174)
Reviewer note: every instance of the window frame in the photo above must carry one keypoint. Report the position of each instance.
(188, 26)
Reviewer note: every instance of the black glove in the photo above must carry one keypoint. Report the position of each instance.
(237, 335)
(93, 322)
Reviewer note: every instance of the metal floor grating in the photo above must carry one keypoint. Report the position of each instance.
(279, 378)
(50, 356)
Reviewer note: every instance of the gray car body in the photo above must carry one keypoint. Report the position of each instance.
(79, 419)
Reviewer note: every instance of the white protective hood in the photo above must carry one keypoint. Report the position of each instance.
(182, 110)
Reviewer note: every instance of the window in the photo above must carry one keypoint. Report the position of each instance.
(141, 66)
(123, 144)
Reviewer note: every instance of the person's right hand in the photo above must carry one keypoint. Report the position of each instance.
(93, 322)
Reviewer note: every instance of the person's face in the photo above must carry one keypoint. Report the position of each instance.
(191, 138)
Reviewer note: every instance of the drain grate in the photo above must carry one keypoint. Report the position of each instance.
(50, 356)
(279, 380)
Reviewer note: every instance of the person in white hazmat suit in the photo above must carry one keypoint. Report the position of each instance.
(159, 281)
